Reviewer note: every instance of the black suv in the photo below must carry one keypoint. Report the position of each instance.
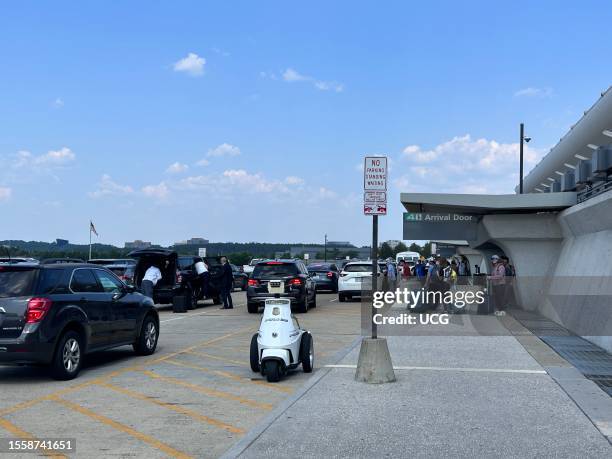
(179, 277)
(55, 314)
(285, 278)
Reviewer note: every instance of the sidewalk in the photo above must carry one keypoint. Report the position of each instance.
(455, 396)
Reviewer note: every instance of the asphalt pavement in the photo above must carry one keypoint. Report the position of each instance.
(196, 397)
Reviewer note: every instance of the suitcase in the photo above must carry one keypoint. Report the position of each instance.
(179, 304)
(486, 307)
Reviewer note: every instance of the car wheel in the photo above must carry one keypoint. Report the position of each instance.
(341, 298)
(68, 357)
(272, 370)
(253, 308)
(147, 338)
(307, 352)
(255, 354)
(313, 303)
(302, 306)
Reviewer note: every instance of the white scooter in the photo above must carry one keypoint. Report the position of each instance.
(280, 345)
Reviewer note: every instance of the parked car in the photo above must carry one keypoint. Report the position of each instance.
(171, 285)
(351, 278)
(325, 276)
(248, 269)
(57, 261)
(241, 280)
(282, 278)
(55, 314)
(15, 260)
(124, 268)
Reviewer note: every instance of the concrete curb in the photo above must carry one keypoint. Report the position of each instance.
(253, 434)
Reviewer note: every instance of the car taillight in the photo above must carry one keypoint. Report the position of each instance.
(330, 274)
(296, 281)
(179, 277)
(253, 282)
(36, 310)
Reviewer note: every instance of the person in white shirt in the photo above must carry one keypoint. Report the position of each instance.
(203, 275)
(152, 276)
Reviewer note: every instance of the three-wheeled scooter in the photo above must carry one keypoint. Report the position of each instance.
(280, 344)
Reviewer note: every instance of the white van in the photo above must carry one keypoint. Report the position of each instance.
(409, 257)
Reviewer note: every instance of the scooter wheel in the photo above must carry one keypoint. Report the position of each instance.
(254, 354)
(307, 352)
(272, 369)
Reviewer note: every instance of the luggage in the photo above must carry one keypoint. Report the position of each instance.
(486, 307)
(179, 303)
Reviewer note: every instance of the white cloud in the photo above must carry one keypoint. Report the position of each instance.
(534, 92)
(57, 157)
(58, 102)
(177, 168)
(107, 187)
(225, 149)
(291, 76)
(53, 158)
(464, 165)
(203, 162)
(160, 191)
(5, 193)
(220, 51)
(192, 65)
(292, 180)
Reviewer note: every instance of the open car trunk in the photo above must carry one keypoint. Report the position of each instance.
(148, 258)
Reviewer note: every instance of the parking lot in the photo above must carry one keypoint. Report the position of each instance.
(195, 397)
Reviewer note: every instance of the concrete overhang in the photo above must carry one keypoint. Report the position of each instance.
(592, 130)
(486, 204)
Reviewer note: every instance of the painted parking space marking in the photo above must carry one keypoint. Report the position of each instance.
(207, 391)
(216, 357)
(179, 409)
(123, 428)
(225, 374)
(22, 434)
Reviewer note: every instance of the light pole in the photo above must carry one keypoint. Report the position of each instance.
(326, 248)
(523, 139)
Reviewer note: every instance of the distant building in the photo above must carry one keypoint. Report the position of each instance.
(341, 251)
(193, 241)
(138, 244)
(62, 242)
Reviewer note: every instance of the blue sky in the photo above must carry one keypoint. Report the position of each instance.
(247, 121)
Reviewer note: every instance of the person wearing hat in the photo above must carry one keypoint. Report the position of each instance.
(498, 285)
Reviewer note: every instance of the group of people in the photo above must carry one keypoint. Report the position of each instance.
(202, 280)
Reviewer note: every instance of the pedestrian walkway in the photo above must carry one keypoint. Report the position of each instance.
(455, 396)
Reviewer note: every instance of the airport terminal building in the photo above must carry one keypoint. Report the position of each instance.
(558, 234)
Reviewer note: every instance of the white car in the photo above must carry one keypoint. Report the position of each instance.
(351, 277)
(248, 269)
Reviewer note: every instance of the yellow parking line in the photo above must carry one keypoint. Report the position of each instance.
(14, 430)
(225, 374)
(209, 392)
(112, 374)
(216, 357)
(177, 408)
(123, 428)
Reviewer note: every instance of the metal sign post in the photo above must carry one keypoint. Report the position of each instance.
(374, 365)
(375, 173)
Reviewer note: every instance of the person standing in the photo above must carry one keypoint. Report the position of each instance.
(203, 276)
(227, 284)
(391, 275)
(509, 288)
(498, 285)
(152, 276)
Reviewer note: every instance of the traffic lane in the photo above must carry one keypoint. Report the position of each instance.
(200, 376)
